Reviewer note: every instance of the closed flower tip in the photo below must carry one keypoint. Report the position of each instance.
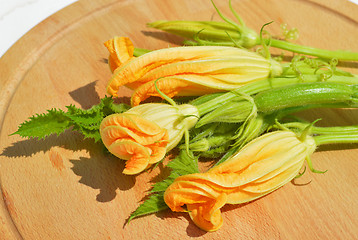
(262, 166)
(132, 138)
(144, 134)
(120, 51)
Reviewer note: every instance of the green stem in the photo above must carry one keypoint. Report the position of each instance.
(335, 139)
(323, 130)
(343, 55)
(140, 51)
(311, 51)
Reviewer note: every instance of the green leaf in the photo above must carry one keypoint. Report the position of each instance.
(183, 164)
(42, 125)
(88, 133)
(86, 121)
(119, 108)
(153, 204)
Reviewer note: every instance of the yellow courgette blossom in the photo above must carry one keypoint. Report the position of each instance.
(184, 71)
(145, 133)
(262, 166)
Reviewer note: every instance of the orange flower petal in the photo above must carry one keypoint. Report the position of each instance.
(111, 133)
(129, 74)
(208, 216)
(137, 156)
(188, 192)
(262, 166)
(225, 67)
(138, 67)
(170, 86)
(135, 139)
(159, 149)
(124, 48)
(112, 63)
(121, 51)
(133, 122)
(202, 201)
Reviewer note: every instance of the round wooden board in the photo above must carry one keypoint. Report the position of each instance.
(66, 188)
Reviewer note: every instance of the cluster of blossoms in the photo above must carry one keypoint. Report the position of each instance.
(143, 134)
(232, 82)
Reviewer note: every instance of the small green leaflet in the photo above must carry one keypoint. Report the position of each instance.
(56, 121)
(42, 125)
(183, 164)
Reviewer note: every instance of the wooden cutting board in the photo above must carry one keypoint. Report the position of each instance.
(66, 188)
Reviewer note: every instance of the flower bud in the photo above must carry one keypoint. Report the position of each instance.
(144, 134)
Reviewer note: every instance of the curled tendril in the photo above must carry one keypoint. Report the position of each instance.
(265, 45)
(314, 63)
(333, 63)
(301, 174)
(294, 66)
(289, 34)
(310, 165)
(279, 58)
(330, 69)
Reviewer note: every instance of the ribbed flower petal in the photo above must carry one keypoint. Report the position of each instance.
(176, 119)
(145, 133)
(171, 86)
(137, 156)
(261, 167)
(208, 216)
(121, 51)
(132, 138)
(217, 67)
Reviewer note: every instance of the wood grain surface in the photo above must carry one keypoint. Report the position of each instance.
(66, 188)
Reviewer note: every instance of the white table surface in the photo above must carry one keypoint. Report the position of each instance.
(19, 16)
